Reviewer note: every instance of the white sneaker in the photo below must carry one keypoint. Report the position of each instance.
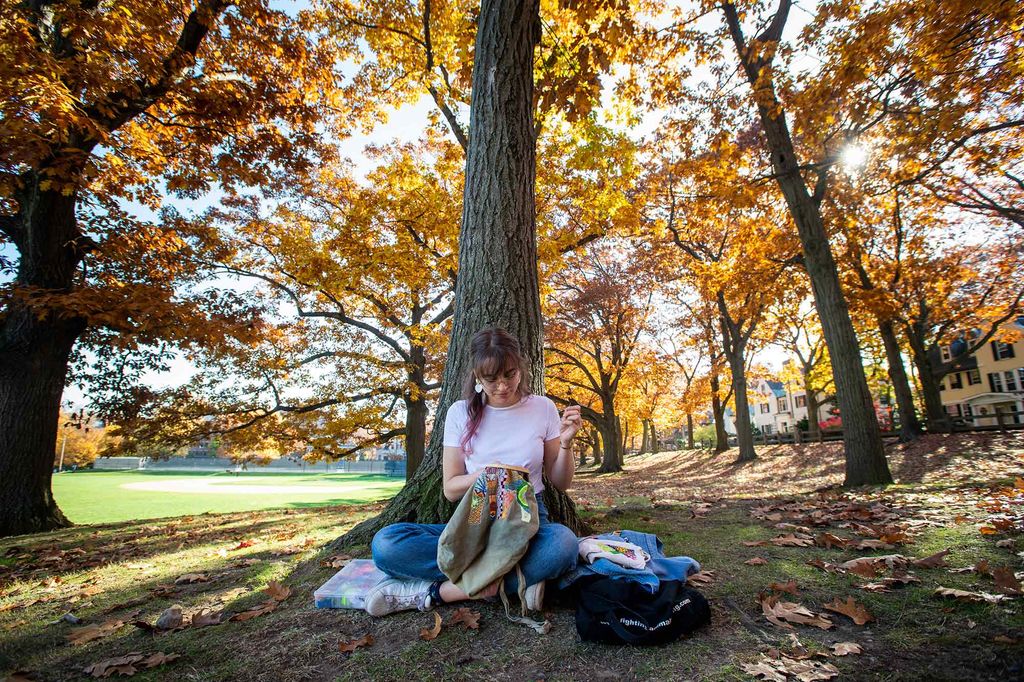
(535, 596)
(395, 594)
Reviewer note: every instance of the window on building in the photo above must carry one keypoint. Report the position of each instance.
(783, 427)
(1020, 377)
(1002, 351)
(946, 356)
(783, 405)
(973, 377)
(800, 401)
(955, 381)
(995, 382)
(942, 385)
(1011, 381)
(767, 429)
(766, 408)
(954, 410)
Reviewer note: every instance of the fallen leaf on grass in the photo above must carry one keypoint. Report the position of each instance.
(205, 617)
(700, 578)
(1003, 639)
(936, 560)
(337, 561)
(189, 578)
(261, 610)
(469, 618)
(243, 563)
(793, 540)
(243, 544)
(350, 645)
(1005, 544)
(277, 591)
(756, 561)
(89, 633)
(823, 565)
(129, 664)
(763, 670)
(969, 596)
(852, 609)
(778, 670)
(1006, 581)
(432, 633)
(872, 544)
(846, 648)
(90, 591)
(164, 591)
(785, 587)
(828, 540)
(779, 612)
(755, 543)
(884, 584)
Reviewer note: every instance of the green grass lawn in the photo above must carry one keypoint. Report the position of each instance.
(100, 496)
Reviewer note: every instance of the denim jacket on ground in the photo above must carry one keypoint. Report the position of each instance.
(658, 568)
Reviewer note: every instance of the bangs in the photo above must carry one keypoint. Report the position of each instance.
(496, 361)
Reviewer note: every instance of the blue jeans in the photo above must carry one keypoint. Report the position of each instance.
(409, 550)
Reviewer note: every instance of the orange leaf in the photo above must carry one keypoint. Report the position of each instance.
(852, 609)
(471, 619)
(1006, 580)
(90, 633)
(756, 561)
(348, 646)
(934, 561)
(785, 587)
(432, 633)
(277, 591)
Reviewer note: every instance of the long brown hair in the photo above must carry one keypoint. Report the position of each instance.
(491, 352)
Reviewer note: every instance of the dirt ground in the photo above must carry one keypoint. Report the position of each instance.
(772, 536)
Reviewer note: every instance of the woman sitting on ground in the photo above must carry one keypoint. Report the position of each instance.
(499, 421)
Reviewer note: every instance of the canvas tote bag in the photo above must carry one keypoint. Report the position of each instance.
(490, 532)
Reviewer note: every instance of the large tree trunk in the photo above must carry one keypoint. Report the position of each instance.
(813, 428)
(655, 447)
(415, 434)
(34, 352)
(862, 439)
(718, 414)
(645, 442)
(935, 414)
(497, 284)
(415, 413)
(689, 430)
(734, 345)
(596, 452)
(611, 438)
(910, 425)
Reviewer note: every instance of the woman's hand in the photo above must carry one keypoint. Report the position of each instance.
(571, 422)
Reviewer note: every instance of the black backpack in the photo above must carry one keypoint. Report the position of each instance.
(618, 611)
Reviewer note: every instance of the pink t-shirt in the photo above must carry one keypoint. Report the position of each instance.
(508, 435)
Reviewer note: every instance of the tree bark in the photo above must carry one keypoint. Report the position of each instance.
(611, 439)
(935, 414)
(596, 452)
(644, 443)
(689, 430)
(910, 425)
(718, 414)
(415, 413)
(734, 345)
(34, 349)
(497, 284)
(862, 439)
(813, 428)
(655, 447)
